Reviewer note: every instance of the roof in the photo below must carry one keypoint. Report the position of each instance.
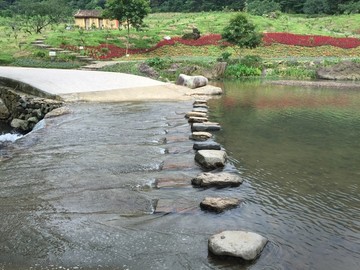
(95, 13)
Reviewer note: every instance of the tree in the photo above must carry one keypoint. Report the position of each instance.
(259, 7)
(241, 32)
(312, 7)
(129, 12)
(35, 15)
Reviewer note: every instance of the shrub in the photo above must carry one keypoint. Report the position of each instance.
(240, 70)
(252, 61)
(6, 59)
(158, 62)
(225, 56)
(40, 54)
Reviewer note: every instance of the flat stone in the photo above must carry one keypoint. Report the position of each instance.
(219, 204)
(172, 182)
(208, 90)
(203, 110)
(174, 206)
(206, 126)
(195, 114)
(206, 146)
(193, 119)
(245, 245)
(211, 159)
(222, 179)
(200, 106)
(58, 112)
(200, 101)
(200, 136)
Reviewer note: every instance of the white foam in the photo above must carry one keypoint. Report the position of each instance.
(10, 137)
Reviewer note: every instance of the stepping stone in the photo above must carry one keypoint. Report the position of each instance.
(193, 119)
(206, 146)
(222, 179)
(200, 136)
(242, 244)
(203, 110)
(211, 159)
(200, 101)
(219, 204)
(206, 126)
(172, 182)
(200, 106)
(172, 206)
(195, 114)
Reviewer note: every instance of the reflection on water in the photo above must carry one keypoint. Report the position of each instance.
(81, 192)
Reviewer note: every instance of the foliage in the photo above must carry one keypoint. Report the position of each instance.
(350, 8)
(158, 62)
(33, 16)
(6, 59)
(241, 32)
(241, 70)
(225, 57)
(252, 61)
(312, 7)
(46, 63)
(258, 7)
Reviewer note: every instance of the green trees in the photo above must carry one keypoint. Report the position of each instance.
(33, 16)
(259, 7)
(241, 32)
(313, 7)
(129, 12)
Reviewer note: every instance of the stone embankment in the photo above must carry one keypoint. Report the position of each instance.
(23, 111)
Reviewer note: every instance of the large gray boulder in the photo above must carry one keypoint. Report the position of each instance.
(211, 159)
(192, 81)
(246, 245)
(219, 205)
(222, 179)
(346, 70)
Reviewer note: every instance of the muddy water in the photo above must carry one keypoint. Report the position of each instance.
(108, 186)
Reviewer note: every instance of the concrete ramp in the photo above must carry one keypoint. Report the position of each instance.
(76, 85)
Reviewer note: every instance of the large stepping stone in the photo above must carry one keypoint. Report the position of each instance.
(206, 146)
(200, 136)
(219, 204)
(200, 106)
(206, 126)
(202, 110)
(222, 179)
(211, 159)
(200, 101)
(245, 245)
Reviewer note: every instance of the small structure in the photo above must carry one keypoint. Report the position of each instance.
(89, 19)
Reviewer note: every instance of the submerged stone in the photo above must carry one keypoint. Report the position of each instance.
(222, 179)
(206, 146)
(219, 204)
(211, 159)
(242, 244)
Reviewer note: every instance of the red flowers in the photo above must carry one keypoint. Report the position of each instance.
(108, 51)
(309, 40)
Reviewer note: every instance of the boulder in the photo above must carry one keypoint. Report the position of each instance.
(195, 114)
(245, 245)
(20, 124)
(206, 146)
(193, 119)
(222, 179)
(208, 90)
(205, 126)
(219, 204)
(211, 159)
(191, 81)
(58, 112)
(200, 136)
(148, 71)
(346, 70)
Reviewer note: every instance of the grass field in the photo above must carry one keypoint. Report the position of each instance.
(18, 44)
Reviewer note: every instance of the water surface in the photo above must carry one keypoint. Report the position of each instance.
(108, 186)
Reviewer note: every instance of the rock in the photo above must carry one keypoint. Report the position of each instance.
(148, 71)
(346, 70)
(195, 114)
(200, 110)
(200, 101)
(211, 159)
(58, 112)
(193, 119)
(201, 106)
(191, 81)
(246, 245)
(208, 90)
(222, 179)
(206, 146)
(33, 120)
(206, 126)
(19, 124)
(219, 204)
(200, 136)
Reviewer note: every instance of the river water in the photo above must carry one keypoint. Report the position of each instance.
(108, 186)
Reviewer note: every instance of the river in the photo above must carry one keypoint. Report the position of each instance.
(108, 186)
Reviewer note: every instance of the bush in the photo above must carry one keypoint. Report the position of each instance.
(6, 59)
(225, 56)
(158, 62)
(252, 61)
(40, 54)
(240, 70)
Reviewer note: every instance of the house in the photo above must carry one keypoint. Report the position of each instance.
(89, 19)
